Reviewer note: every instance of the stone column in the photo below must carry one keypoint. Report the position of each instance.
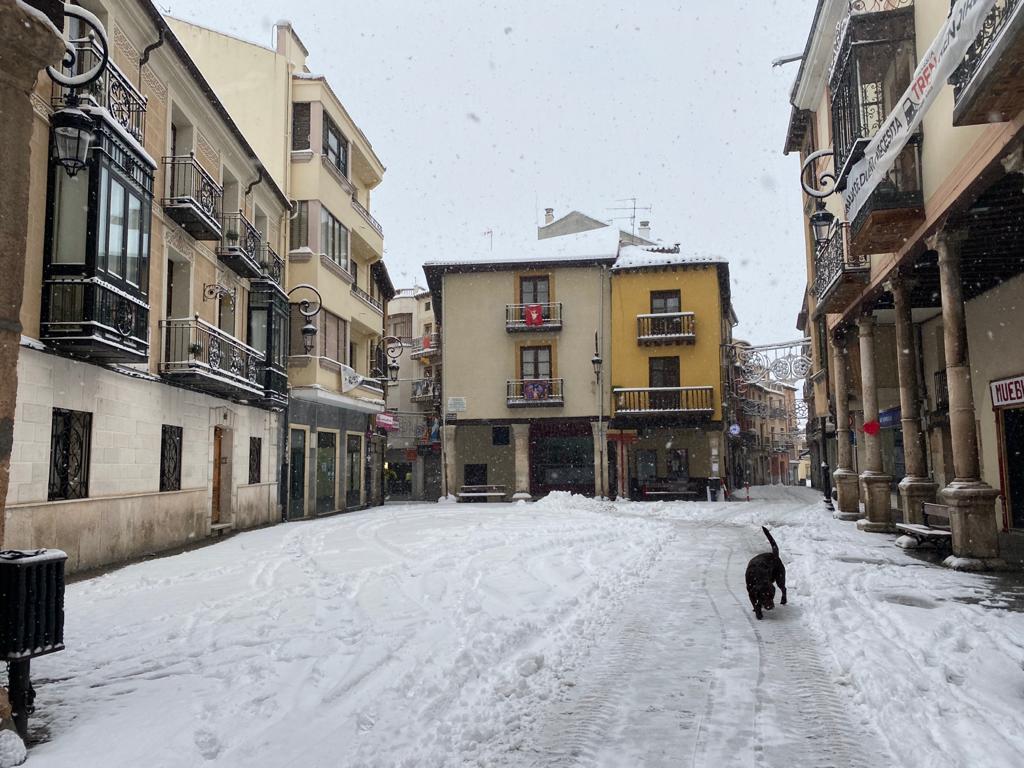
(847, 488)
(27, 44)
(971, 501)
(521, 442)
(451, 463)
(600, 431)
(917, 487)
(876, 483)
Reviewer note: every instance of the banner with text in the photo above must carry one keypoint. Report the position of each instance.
(943, 57)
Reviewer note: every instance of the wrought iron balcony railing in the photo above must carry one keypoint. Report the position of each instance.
(533, 317)
(193, 197)
(366, 298)
(272, 264)
(87, 317)
(200, 354)
(534, 393)
(367, 217)
(426, 346)
(985, 46)
(422, 391)
(112, 91)
(240, 245)
(666, 328)
(833, 261)
(874, 58)
(664, 400)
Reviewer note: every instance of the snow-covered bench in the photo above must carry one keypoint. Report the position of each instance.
(481, 493)
(935, 529)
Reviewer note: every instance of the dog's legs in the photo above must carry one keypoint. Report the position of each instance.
(781, 581)
(756, 602)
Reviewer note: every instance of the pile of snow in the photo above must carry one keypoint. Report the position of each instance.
(637, 257)
(12, 749)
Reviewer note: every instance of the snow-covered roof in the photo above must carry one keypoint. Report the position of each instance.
(602, 243)
(638, 257)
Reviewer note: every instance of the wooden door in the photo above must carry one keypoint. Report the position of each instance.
(218, 435)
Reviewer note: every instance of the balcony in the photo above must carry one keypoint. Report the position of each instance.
(194, 197)
(204, 357)
(987, 86)
(534, 393)
(367, 217)
(272, 265)
(666, 328)
(426, 347)
(88, 318)
(376, 304)
(422, 391)
(533, 317)
(112, 92)
(874, 61)
(894, 209)
(839, 275)
(664, 401)
(239, 246)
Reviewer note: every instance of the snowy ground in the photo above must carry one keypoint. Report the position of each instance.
(561, 633)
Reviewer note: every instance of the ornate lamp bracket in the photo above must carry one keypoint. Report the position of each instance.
(216, 291)
(825, 183)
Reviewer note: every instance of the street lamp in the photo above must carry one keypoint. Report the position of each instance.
(393, 347)
(309, 312)
(821, 224)
(73, 129)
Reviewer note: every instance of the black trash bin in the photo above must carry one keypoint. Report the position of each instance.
(31, 619)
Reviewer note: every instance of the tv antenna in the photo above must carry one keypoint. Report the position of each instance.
(633, 208)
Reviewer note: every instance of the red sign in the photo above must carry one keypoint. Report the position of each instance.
(411, 454)
(871, 427)
(533, 314)
(387, 421)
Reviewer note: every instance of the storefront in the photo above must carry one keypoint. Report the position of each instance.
(1008, 406)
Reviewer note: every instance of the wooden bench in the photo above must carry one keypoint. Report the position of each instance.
(935, 529)
(679, 489)
(481, 493)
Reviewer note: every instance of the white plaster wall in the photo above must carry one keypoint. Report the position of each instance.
(127, 416)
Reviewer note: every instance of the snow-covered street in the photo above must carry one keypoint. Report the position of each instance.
(560, 633)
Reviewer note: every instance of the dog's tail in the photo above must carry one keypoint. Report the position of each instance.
(775, 547)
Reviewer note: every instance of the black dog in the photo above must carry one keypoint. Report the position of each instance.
(763, 572)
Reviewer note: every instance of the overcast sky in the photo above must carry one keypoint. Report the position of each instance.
(486, 113)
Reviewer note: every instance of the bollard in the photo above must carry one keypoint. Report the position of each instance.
(748, 491)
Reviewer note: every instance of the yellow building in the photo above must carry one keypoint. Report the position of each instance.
(317, 153)
(670, 316)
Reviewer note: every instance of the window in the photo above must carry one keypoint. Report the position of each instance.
(335, 146)
(298, 235)
(300, 126)
(426, 308)
(353, 267)
(400, 325)
(664, 302)
(534, 290)
(535, 363)
(170, 458)
(664, 371)
(123, 221)
(333, 239)
(70, 443)
(334, 336)
(255, 457)
(501, 435)
(70, 211)
(226, 314)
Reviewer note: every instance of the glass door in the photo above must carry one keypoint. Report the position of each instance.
(297, 474)
(326, 471)
(353, 481)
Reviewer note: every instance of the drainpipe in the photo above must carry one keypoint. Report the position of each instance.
(257, 180)
(148, 50)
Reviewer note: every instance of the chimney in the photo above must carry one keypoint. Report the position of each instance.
(549, 216)
(645, 230)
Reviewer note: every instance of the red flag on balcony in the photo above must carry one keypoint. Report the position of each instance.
(426, 341)
(533, 314)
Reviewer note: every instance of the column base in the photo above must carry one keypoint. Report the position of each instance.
(972, 519)
(975, 563)
(915, 491)
(876, 504)
(847, 495)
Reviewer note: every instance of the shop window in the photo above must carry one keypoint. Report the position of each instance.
(501, 436)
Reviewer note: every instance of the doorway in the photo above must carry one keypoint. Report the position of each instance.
(218, 448)
(220, 507)
(353, 475)
(326, 471)
(1013, 446)
(297, 474)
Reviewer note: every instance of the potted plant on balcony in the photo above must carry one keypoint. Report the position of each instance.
(231, 236)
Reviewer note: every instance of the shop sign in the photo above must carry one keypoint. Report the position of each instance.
(1008, 392)
(889, 418)
(387, 421)
(411, 454)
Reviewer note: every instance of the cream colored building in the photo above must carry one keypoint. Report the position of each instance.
(912, 304)
(414, 450)
(150, 385)
(522, 407)
(319, 155)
